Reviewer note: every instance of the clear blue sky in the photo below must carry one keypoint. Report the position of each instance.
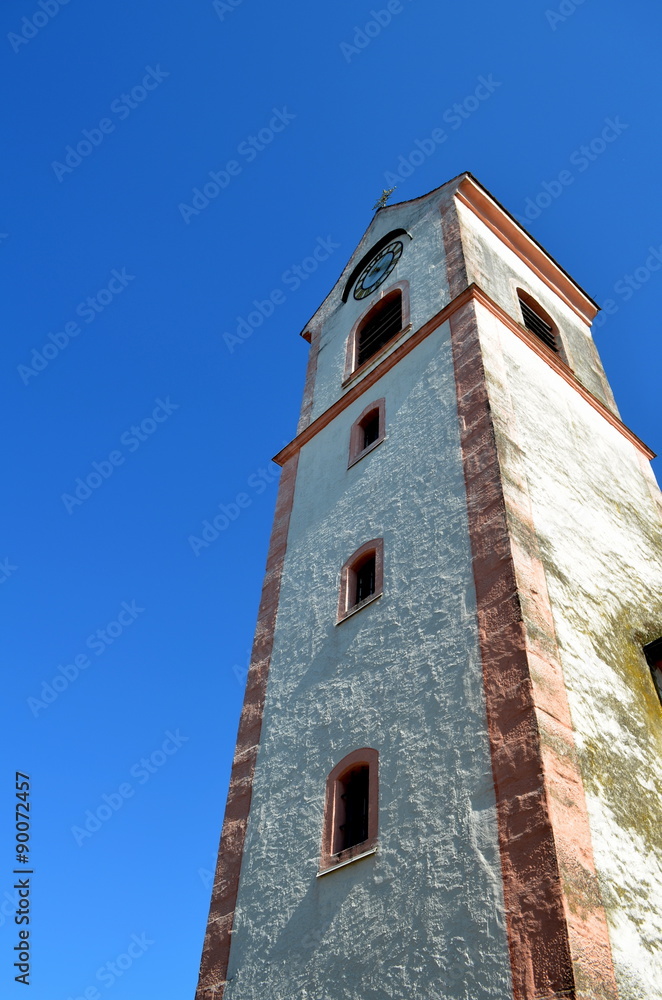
(167, 93)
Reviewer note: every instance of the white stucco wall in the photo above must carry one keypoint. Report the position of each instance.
(423, 917)
(598, 523)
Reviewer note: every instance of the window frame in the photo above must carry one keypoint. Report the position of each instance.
(352, 367)
(348, 578)
(356, 449)
(329, 857)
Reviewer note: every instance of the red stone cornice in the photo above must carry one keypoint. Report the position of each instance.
(471, 293)
(511, 234)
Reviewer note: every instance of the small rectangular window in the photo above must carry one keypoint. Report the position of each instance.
(365, 580)
(367, 431)
(371, 429)
(351, 810)
(354, 829)
(653, 654)
(361, 578)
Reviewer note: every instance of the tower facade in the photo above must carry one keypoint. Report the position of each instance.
(446, 783)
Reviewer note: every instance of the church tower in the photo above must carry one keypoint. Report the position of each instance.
(447, 780)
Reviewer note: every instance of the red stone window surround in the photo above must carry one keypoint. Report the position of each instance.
(369, 426)
(361, 578)
(351, 809)
(351, 356)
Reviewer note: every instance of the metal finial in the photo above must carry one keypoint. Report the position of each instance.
(384, 198)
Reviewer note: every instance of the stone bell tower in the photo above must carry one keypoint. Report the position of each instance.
(447, 777)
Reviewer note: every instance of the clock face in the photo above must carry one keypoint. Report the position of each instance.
(378, 270)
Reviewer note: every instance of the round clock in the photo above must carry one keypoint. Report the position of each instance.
(377, 270)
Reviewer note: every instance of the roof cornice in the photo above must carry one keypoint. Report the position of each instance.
(476, 198)
(469, 294)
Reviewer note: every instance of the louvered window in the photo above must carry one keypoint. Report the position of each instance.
(536, 324)
(381, 324)
(354, 796)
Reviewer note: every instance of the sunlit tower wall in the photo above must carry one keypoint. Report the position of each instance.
(447, 783)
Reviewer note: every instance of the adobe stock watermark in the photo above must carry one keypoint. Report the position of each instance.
(142, 771)
(565, 10)
(224, 7)
(110, 972)
(206, 875)
(379, 19)
(292, 278)
(581, 158)
(7, 569)
(31, 26)
(628, 284)
(248, 150)
(122, 107)
(132, 439)
(455, 117)
(213, 528)
(9, 906)
(241, 673)
(87, 310)
(97, 642)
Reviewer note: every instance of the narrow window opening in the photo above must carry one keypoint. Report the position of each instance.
(365, 579)
(351, 809)
(368, 431)
(380, 326)
(361, 578)
(534, 321)
(354, 796)
(370, 428)
(653, 654)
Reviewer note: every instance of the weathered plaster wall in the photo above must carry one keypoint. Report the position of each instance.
(499, 272)
(422, 264)
(596, 512)
(424, 916)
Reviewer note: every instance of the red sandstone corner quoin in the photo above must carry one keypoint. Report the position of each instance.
(554, 938)
(216, 948)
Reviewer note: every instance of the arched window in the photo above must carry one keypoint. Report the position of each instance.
(368, 430)
(380, 325)
(351, 809)
(361, 578)
(538, 321)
